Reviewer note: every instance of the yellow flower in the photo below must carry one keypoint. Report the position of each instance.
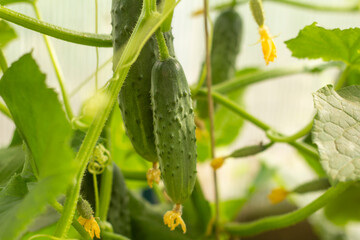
(277, 195)
(90, 225)
(173, 218)
(153, 175)
(267, 44)
(217, 162)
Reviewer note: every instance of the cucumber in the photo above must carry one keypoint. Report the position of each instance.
(174, 128)
(225, 48)
(134, 97)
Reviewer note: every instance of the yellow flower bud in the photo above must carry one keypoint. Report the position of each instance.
(277, 195)
(217, 162)
(267, 44)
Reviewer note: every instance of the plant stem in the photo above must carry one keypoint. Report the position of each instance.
(96, 49)
(96, 193)
(3, 63)
(90, 39)
(76, 89)
(59, 208)
(105, 191)
(115, 236)
(288, 219)
(5, 110)
(343, 77)
(163, 49)
(57, 69)
(134, 175)
(279, 138)
(211, 116)
(297, 3)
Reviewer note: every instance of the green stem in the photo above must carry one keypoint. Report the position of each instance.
(59, 208)
(3, 63)
(5, 110)
(82, 84)
(57, 69)
(98, 40)
(96, 49)
(312, 186)
(343, 77)
(115, 236)
(301, 133)
(105, 191)
(288, 219)
(134, 175)
(96, 193)
(163, 49)
(300, 4)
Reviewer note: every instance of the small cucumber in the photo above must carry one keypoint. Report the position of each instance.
(224, 50)
(134, 97)
(174, 128)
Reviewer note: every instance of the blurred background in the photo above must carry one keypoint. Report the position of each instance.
(284, 103)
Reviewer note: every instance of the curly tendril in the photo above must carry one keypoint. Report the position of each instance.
(99, 159)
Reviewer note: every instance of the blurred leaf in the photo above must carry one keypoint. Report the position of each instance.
(6, 33)
(345, 208)
(329, 44)
(353, 77)
(11, 162)
(42, 124)
(231, 208)
(336, 131)
(16, 139)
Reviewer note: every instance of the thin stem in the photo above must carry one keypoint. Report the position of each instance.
(300, 4)
(115, 236)
(96, 193)
(89, 39)
(134, 175)
(343, 77)
(59, 208)
(57, 69)
(301, 133)
(5, 110)
(163, 49)
(96, 49)
(211, 116)
(288, 219)
(105, 192)
(3, 63)
(83, 83)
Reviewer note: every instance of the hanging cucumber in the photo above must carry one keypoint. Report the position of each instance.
(174, 131)
(225, 48)
(134, 97)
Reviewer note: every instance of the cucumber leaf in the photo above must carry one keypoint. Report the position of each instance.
(315, 42)
(7, 33)
(11, 162)
(336, 132)
(41, 122)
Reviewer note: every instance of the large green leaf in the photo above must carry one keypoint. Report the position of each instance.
(336, 131)
(6, 33)
(11, 162)
(329, 44)
(42, 124)
(344, 208)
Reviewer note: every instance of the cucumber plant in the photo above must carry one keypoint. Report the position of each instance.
(85, 176)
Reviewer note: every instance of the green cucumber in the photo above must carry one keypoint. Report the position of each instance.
(174, 128)
(134, 97)
(225, 48)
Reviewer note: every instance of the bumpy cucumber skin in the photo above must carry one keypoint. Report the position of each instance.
(134, 97)
(174, 128)
(224, 50)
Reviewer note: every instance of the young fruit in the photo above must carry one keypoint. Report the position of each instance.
(174, 130)
(134, 97)
(224, 50)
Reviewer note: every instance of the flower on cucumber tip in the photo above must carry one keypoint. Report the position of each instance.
(267, 44)
(90, 225)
